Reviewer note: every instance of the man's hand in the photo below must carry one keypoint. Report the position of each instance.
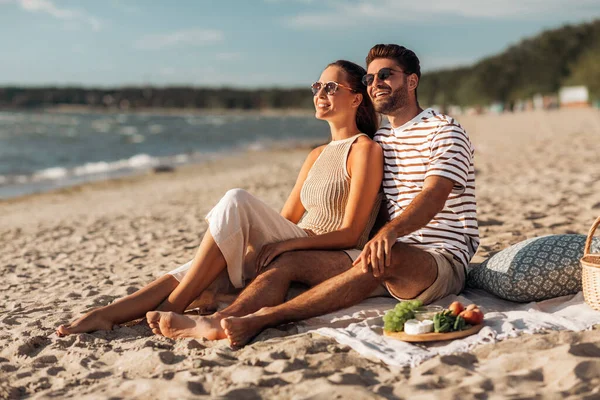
(269, 252)
(377, 252)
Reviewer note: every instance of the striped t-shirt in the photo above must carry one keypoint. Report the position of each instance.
(432, 144)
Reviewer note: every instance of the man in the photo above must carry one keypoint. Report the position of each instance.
(422, 252)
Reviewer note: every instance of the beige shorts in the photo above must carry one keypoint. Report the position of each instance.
(450, 279)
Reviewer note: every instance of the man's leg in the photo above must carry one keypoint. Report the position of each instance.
(267, 290)
(411, 272)
(344, 290)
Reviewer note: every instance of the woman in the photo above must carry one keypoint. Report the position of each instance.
(333, 205)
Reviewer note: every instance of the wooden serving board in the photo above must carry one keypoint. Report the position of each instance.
(432, 336)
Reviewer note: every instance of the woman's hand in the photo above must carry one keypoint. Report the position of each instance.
(269, 252)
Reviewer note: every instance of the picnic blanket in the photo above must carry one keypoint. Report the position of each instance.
(360, 327)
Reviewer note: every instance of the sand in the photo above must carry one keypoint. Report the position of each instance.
(69, 251)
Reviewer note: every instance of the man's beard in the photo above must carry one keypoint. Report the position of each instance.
(398, 99)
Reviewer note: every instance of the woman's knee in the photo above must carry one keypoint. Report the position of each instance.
(238, 199)
(237, 195)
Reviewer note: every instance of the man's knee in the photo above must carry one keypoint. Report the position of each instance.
(407, 259)
(411, 270)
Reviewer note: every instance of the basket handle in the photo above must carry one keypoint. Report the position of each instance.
(588, 242)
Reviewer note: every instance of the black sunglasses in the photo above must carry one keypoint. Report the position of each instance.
(329, 87)
(382, 75)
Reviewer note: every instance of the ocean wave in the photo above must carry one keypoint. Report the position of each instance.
(128, 130)
(138, 162)
(90, 169)
(50, 173)
(155, 129)
(102, 125)
(9, 117)
(208, 120)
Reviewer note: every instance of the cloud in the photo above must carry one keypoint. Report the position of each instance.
(290, 1)
(228, 56)
(123, 6)
(78, 49)
(340, 14)
(48, 7)
(189, 37)
(167, 71)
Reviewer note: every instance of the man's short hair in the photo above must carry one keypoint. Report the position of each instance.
(407, 59)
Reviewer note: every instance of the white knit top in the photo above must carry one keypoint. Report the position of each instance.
(325, 192)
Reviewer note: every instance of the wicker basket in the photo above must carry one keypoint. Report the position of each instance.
(590, 273)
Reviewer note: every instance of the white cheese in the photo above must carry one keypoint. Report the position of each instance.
(427, 325)
(415, 327)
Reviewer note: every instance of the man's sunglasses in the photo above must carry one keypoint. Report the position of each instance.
(382, 75)
(329, 87)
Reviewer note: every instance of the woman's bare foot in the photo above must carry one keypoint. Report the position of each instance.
(241, 330)
(177, 326)
(92, 321)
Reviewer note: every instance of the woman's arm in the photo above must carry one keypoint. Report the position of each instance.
(293, 209)
(365, 166)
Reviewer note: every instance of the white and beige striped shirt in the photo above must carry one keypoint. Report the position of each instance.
(432, 144)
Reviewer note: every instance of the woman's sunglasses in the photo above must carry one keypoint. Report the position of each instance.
(329, 87)
(382, 75)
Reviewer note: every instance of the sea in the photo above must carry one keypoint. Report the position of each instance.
(42, 151)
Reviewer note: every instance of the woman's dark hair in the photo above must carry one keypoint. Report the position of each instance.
(367, 119)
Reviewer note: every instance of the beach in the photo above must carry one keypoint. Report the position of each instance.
(65, 252)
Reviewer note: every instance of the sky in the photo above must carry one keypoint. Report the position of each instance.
(253, 43)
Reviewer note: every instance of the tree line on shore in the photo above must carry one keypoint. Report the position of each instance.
(540, 65)
(543, 64)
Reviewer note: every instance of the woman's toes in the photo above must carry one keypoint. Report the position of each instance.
(62, 330)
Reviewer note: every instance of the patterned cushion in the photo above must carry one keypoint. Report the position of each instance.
(535, 269)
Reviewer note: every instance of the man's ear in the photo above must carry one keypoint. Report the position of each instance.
(413, 81)
(358, 98)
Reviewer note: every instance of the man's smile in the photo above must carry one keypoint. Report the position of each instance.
(380, 93)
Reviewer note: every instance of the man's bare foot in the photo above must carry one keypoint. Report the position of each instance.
(92, 321)
(177, 326)
(241, 330)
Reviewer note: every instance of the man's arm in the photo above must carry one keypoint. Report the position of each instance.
(447, 170)
(377, 252)
(423, 208)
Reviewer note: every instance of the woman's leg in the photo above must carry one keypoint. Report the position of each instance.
(267, 290)
(237, 223)
(131, 307)
(205, 268)
(164, 294)
(241, 221)
(238, 227)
